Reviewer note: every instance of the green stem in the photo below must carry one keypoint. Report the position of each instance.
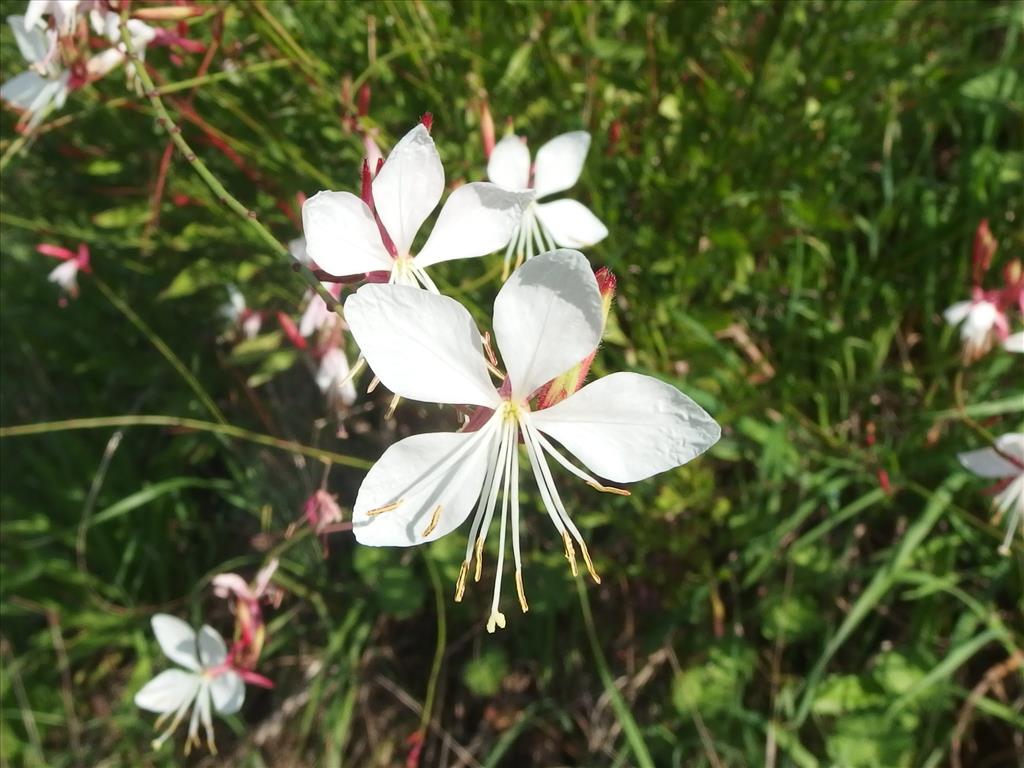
(105, 422)
(162, 348)
(629, 726)
(213, 182)
(442, 641)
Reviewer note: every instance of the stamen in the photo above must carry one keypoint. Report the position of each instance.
(1011, 529)
(497, 617)
(521, 591)
(557, 456)
(373, 385)
(570, 553)
(496, 621)
(435, 518)
(359, 364)
(479, 558)
(460, 584)
(590, 565)
(385, 508)
(391, 408)
(609, 489)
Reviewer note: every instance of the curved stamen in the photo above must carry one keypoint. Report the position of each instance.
(497, 618)
(549, 448)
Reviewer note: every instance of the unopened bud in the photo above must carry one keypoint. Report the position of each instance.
(364, 100)
(428, 121)
(486, 127)
(291, 330)
(985, 246)
(168, 12)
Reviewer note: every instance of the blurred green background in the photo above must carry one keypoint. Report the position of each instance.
(791, 191)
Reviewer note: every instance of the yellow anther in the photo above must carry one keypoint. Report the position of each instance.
(391, 408)
(386, 508)
(590, 565)
(496, 621)
(479, 558)
(434, 519)
(521, 591)
(570, 552)
(372, 385)
(609, 489)
(460, 584)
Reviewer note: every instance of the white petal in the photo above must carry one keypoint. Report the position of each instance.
(627, 427)
(65, 275)
(32, 41)
(397, 476)
(547, 318)
(985, 462)
(23, 89)
(559, 162)
(228, 692)
(103, 63)
(477, 219)
(509, 165)
(408, 187)
(955, 313)
(571, 224)
(297, 248)
(1014, 343)
(168, 691)
(341, 234)
(212, 649)
(177, 640)
(421, 345)
(34, 13)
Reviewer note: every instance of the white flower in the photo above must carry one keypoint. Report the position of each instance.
(979, 321)
(1006, 465)
(317, 316)
(565, 223)
(334, 380)
(1014, 343)
(43, 86)
(206, 680)
(64, 12)
(108, 24)
(237, 313)
(345, 237)
(547, 318)
(65, 275)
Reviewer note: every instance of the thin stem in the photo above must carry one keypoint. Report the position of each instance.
(442, 641)
(162, 348)
(629, 726)
(212, 181)
(105, 422)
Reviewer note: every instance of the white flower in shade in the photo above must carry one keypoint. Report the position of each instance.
(108, 24)
(1005, 463)
(980, 321)
(45, 85)
(237, 313)
(317, 316)
(346, 237)
(1014, 343)
(334, 380)
(64, 12)
(207, 680)
(547, 318)
(545, 226)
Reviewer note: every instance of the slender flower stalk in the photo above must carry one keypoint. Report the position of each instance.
(547, 318)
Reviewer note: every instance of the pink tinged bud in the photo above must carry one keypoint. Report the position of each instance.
(366, 190)
(254, 678)
(985, 246)
(291, 330)
(83, 258)
(614, 136)
(55, 251)
(168, 12)
(428, 121)
(486, 127)
(364, 100)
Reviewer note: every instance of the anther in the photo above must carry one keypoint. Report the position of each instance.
(496, 621)
(391, 408)
(373, 385)
(434, 520)
(590, 565)
(460, 584)
(570, 552)
(479, 558)
(609, 489)
(382, 510)
(521, 591)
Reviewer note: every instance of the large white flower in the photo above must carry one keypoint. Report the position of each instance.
(558, 223)
(345, 237)
(547, 318)
(1005, 463)
(207, 680)
(45, 83)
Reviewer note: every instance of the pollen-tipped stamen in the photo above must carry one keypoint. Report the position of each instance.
(590, 564)
(546, 445)
(386, 508)
(460, 583)
(395, 400)
(435, 518)
(570, 552)
(521, 591)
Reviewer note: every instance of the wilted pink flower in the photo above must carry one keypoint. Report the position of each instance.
(250, 629)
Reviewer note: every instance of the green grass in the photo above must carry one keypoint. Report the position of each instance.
(803, 179)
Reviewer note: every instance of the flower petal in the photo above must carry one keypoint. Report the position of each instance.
(168, 691)
(421, 345)
(985, 462)
(559, 162)
(435, 492)
(23, 89)
(177, 640)
(228, 692)
(547, 318)
(571, 224)
(212, 649)
(477, 219)
(954, 314)
(408, 187)
(341, 234)
(1014, 343)
(33, 42)
(509, 165)
(627, 427)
